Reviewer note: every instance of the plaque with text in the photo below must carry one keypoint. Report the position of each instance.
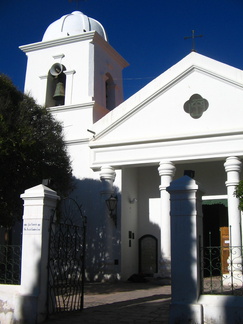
(32, 227)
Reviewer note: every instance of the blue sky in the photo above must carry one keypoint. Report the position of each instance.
(148, 34)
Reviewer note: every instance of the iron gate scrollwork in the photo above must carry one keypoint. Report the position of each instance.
(66, 257)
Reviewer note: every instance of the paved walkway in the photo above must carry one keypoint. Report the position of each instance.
(106, 303)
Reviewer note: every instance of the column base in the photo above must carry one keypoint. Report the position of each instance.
(186, 313)
(233, 280)
(164, 269)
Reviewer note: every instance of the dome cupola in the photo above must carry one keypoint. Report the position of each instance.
(73, 24)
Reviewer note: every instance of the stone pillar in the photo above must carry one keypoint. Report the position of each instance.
(69, 86)
(186, 230)
(39, 205)
(233, 168)
(42, 90)
(166, 172)
(107, 176)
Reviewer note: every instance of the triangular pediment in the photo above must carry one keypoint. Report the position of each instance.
(192, 111)
(157, 111)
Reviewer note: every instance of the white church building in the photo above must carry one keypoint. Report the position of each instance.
(186, 121)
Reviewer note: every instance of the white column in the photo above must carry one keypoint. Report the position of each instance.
(166, 172)
(107, 176)
(39, 204)
(233, 168)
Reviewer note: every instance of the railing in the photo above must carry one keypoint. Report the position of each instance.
(222, 270)
(10, 264)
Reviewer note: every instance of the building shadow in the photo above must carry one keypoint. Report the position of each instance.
(143, 309)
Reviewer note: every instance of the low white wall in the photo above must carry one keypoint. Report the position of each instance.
(27, 303)
(222, 309)
(9, 304)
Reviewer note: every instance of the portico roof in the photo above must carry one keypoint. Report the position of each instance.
(193, 111)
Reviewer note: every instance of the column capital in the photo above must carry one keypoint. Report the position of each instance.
(107, 176)
(232, 164)
(166, 172)
(233, 168)
(166, 168)
(107, 173)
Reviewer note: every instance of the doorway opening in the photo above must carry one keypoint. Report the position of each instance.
(215, 216)
(148, 255)
(216, 233)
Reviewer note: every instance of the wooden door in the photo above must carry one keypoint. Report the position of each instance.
(148, 250)
(224, 243)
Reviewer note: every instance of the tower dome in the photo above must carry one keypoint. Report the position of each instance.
(73, 24)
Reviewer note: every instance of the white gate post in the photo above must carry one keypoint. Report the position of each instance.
(39, 204)
(186, 229)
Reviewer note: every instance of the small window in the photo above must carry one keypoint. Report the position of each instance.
(110, 92)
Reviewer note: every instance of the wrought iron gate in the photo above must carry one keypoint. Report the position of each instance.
(66, 257)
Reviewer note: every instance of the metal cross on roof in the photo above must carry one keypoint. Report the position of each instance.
(193, 39)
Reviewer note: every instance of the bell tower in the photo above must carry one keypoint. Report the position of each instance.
(75, 73)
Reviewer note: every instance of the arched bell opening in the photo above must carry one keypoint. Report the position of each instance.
(56, 83)
(110, 92)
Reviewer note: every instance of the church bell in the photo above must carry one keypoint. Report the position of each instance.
(59, 92)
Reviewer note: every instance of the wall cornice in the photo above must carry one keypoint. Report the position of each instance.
(80, 141)
(71, 107)
(92, 36)
(178, 150)
(93, 144)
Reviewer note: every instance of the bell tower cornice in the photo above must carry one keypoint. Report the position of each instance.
(92, 36)
(57, 42)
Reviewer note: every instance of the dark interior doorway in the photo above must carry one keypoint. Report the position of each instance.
(148, 255)
(215, 228)
(215, 216)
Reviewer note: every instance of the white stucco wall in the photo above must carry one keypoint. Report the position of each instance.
(149, 202)
(129, 222)
(222, 309)
(107, 64)
(10, 306)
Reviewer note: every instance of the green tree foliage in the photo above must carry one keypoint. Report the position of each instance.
(31, 149)
(239, 194)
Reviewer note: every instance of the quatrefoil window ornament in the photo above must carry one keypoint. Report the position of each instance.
(196, 106)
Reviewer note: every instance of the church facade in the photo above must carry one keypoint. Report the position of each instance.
(186, 121)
